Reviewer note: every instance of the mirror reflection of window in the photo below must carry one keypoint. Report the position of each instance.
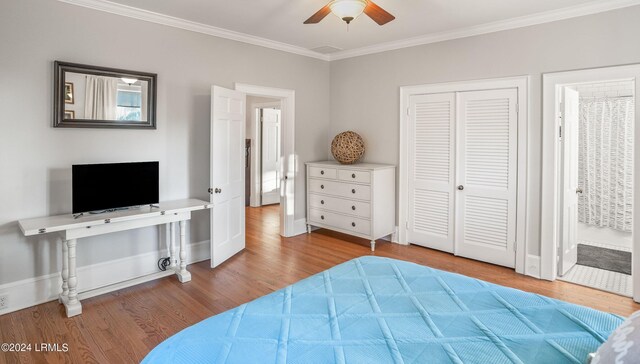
(129, 101)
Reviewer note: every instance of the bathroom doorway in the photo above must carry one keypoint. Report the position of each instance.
(596, 189)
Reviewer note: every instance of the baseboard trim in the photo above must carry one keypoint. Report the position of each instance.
(96, 279)
(532, 266)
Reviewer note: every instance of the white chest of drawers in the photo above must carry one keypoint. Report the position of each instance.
(356, 199)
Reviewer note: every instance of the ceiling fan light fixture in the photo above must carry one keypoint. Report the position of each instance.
(347, 10)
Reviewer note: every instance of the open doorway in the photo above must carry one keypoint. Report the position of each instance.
(595, 192)
(283, 101)
(264, 130)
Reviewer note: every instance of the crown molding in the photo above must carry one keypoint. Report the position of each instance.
(153, 17)
(590, 8)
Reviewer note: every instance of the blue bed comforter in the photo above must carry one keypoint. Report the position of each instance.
(380, 310)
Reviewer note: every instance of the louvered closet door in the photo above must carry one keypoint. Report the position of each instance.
(486, 175)
(431, 170)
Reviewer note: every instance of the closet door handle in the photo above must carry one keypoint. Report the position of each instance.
(579, 190)
(461, 187)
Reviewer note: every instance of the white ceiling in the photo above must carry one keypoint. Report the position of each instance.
(281, 20)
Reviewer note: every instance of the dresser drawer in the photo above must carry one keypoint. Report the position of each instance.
(340, 189)
(354, 176)
(350, 207)
(347, 223)
(320, 172)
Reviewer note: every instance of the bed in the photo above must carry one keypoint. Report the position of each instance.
(381, 310)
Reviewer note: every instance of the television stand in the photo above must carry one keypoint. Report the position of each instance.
(71, 228)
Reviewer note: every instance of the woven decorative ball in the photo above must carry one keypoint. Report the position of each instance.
(347, 147)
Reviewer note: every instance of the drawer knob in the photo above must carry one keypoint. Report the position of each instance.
(353, 208)
(322, 202)
(353, 190)
(353, 175)
(322, 217)
(322, 187)
(353, 224)
(321, 172)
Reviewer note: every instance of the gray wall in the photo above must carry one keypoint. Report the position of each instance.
(365, 90)
(35, 159)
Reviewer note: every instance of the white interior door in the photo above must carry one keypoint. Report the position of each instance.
(487, 175)
(570, 191)
(228, 128)
(270, 125)
(431, 170)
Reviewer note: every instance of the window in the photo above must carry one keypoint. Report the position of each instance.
(129, 100)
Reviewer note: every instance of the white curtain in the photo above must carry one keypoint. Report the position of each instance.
(101, 98)
(606, 162)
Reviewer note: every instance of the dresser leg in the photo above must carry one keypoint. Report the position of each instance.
(308, 229)
(72, 304)
(65, 273)
(183, 275)
(172, 243)
(373, 245)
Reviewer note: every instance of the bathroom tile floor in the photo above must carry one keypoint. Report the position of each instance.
(599, 278)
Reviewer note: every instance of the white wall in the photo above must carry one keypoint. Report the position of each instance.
(36, 159)
(365, 90)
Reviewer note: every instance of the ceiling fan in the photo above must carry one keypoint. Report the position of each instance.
(348, 10)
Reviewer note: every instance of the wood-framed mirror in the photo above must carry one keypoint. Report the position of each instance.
(100, 97)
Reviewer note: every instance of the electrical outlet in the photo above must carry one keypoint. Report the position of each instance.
(4, 301)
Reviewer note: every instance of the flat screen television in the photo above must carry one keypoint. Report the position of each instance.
(100, 187)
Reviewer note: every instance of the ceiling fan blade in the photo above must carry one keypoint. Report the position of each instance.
(378, 14)
(319, 15)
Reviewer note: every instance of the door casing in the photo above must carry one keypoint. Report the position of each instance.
(289, 168)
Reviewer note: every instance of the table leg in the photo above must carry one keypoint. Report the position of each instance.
(174, 257)
(183, 275)
(65, 273)
(72, 306)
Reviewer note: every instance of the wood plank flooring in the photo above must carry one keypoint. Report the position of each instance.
(123, 326)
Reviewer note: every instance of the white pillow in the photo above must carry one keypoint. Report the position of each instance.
(623, 346)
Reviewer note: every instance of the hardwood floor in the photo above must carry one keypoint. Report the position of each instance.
(125, 325)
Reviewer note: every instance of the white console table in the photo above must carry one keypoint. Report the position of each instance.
(71, 229)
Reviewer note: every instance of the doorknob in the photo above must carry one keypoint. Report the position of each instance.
(218, 190)
(579, 190)
(461, 187)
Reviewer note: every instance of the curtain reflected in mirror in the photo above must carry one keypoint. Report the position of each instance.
(88, 96)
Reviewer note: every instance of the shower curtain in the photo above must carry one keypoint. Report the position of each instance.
(605, 171)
